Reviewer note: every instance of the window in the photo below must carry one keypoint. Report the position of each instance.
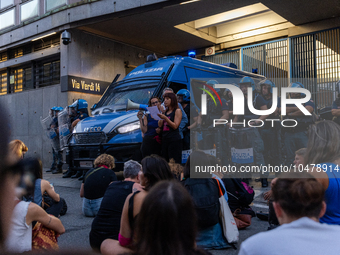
(15, 80)
(3, 83)
(7, 19)
(29, 10)
(48, 73)
(52, 4)
(5, 3)
(3, 56)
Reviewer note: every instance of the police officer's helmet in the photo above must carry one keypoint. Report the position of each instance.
(268, 83)
(186, 95)
(247, 81)
(79, 104)
(297, 85)
(212, 83)
(60, 108)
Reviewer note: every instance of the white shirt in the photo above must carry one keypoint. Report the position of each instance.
(20, 235)
(302, 236)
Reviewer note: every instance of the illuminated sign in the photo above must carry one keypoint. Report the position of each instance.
(84, 85)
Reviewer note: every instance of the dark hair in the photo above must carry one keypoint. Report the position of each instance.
(155, 169)
(166, 223)
(200, 159)
(174, 102)
(149, 103)
(299, 197)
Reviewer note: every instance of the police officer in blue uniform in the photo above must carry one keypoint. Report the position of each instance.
(269, 133)
(183, 96)
(259, 104)
(296, 138)
(77, 112)
(57, 163)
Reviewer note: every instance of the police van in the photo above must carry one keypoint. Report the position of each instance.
(115, 130)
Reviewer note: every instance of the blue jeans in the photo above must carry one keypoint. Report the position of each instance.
(91, 206)
(212, 238)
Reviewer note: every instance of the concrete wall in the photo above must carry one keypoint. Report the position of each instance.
(98, 58)
(25, 109)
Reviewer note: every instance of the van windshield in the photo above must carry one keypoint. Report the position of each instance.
(139, 93)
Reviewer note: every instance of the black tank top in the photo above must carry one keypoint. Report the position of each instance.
(168, 132)
(107, 222)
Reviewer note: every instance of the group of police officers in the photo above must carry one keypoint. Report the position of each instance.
(76, 112)
(272, 144)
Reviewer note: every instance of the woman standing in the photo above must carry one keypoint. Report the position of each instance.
(151, 141)
(170, 120)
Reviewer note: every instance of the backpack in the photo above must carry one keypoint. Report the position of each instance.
(240, 194)
(205, 195)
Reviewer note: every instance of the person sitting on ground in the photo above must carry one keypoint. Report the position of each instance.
(24, 214)
(298, 204)
(166, 223)
(323, 151)
(154, 169)
(17, 150)
(41, 187)
(205, 193)
(95, 182)
(151, 141)
(299, 156)
(107, 222)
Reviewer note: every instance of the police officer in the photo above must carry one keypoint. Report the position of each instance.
(260, 104)
(336, 107)
(296, 138)
(183, 96)
(269, 133)
(57, 163)
(215, 136)
(77, 112)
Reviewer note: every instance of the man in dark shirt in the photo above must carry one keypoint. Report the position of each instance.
(107, 222)
(296, 138)
(260, 104)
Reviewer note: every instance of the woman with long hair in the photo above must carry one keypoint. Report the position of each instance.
(151, 141)
(154, 169)
(170, 121)
(323, 150)
(166, 223)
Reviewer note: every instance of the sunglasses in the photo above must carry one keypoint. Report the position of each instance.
(153, 103)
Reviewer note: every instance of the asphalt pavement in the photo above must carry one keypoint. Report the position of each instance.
(78, 226)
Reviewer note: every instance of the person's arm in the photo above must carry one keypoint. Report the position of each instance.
(82, 190)
(263, 117)
(74, 123)
(193, 125)
(225, 115)
(46, 187)
(177, 120)
(143, 122)
(335, 112)
(125, 228)
(36, 213)
(298, 112)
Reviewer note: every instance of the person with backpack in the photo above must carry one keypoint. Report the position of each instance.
(205, 194)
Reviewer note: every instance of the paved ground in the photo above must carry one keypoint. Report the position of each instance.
(78, 226)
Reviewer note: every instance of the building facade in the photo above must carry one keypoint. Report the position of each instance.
(285, 40)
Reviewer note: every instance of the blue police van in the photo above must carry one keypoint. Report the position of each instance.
(115, 130)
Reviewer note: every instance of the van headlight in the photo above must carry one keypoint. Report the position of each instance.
(129, 127)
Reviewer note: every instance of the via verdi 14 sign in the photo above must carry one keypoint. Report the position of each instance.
(85, 85)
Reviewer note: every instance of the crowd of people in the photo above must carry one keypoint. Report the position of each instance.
(159, 208)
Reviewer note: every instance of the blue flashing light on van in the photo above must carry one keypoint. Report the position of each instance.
(114, 129)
